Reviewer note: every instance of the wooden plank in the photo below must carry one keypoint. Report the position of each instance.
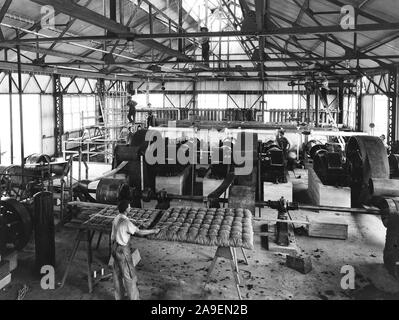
(328, 227)
(5, 281)
(323, 195)
(4, 269)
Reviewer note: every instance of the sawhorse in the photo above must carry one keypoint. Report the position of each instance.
(229, 253)
(87, 236)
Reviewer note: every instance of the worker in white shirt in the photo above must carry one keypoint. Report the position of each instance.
(125, 278)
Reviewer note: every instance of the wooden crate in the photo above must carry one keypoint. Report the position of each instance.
(173, 185)
(323, 195)
(331, 227)
(274, 191)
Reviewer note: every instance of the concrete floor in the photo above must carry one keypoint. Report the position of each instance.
(177, 271)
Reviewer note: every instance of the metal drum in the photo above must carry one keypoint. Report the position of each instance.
(109, 190)
(313, 146)
(367, 159)
(15, 224)
(37, 158)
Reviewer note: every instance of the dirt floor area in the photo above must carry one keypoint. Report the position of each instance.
(171, 270)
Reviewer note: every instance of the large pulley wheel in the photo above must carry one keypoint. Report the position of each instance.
(367, 159)
(389, 207)
(16, 223)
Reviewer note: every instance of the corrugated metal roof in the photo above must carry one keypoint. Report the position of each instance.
(26, 14)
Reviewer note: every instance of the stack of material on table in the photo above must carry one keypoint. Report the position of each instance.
(209, 227)
(142, 218)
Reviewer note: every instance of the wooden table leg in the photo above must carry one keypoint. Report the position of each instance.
(89, 261)
(99, 240)
(73, 253)
(244, 255)
(227, 253)
(212, 266)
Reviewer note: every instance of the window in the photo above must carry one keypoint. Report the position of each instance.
(212, 101)
(79, 112)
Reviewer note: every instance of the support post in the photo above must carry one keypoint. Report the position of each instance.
(392, 105)
(359, 99)
(308, 102)
(181, 40)
(59, 114)
(21, 119)
(341, 102)
(11, 118)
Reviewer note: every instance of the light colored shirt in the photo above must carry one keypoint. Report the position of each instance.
(122, 229)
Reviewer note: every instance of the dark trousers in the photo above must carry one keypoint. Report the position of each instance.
(132, 118)
(124, 276)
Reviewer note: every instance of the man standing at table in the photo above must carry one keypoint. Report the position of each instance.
(124, 272)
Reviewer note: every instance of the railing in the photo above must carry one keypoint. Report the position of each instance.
(286, 116)
(198, 114)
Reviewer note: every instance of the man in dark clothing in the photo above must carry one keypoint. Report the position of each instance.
(283, 142)
(132, 110)
(150, 120)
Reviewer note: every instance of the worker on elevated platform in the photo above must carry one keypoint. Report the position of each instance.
(283, 142)
(124, 275)
(132, 110)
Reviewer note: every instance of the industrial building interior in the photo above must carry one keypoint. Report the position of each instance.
(302, 93)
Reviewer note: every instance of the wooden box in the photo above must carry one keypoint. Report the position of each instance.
(274, 191)
(173, 185)
(323, 195)
(332, 227)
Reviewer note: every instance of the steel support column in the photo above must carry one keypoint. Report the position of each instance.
(392, 105)
(308, 103)
(21, 115)
(59, 114)
(341, 102)
(359, 101)
(100, 100)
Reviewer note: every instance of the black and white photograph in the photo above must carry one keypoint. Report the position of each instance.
(199, 157)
